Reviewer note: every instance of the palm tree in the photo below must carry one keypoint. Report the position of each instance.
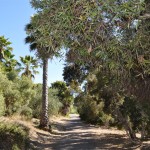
(4, 48)
(10, 63)
(29, 66)
(43, 53)
(6, 56)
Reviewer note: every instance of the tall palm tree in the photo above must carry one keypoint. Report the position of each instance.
(10, 63)
(30, 64)
(6, 56)
(43, 53)
(5, 48)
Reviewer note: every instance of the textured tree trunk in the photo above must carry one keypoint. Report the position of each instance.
(44, 121)
(126, 125)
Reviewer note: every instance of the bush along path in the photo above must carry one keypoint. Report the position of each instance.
(72, 134)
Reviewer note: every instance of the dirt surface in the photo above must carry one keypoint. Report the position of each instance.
(73, 134)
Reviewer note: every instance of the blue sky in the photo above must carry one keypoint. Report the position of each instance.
(14, 15)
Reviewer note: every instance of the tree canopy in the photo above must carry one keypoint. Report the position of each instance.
(111, 40)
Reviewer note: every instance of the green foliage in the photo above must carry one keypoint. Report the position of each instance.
(42, 51)
(4, 47)
(25, 87)
(2, 102)
(64, 95)
(73, 72)
(30, 64)
(95, 29)
(91, 111)
(54, 103)
(60, 85)
(138, 114)
(7, 92)
(15, 94)
(107, 46)
(12, 75)
(6, 56)
(36, 102)
(110, 36)
(13, 136)
(2, 105)
(73, 109)
(26, 112)
(131, 109)
(19, 95)
(103, 103)
(10, 63)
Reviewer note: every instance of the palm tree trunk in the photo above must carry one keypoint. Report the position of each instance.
(44, 121)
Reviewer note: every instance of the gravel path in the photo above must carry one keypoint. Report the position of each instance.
(72, 134)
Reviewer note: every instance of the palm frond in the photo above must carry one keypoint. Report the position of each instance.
(29, 39)
(28, 27)
(33, 46)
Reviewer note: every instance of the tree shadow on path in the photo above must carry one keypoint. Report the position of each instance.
(79, 136)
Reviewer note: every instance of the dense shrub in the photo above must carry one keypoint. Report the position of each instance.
(2, 105)
(13, 137)
(26, 112)
(12, 75)
(14, 95)
(64, 95)
(36, 102)
(138, 114)
(5, 92)
(54, 103)
(17, 94)
(91, 111)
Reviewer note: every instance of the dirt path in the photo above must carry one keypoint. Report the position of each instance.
(72, 134)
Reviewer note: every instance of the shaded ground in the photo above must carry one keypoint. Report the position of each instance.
(72, 134)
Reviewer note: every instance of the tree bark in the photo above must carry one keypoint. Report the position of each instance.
(44, 120)
(126, 125)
